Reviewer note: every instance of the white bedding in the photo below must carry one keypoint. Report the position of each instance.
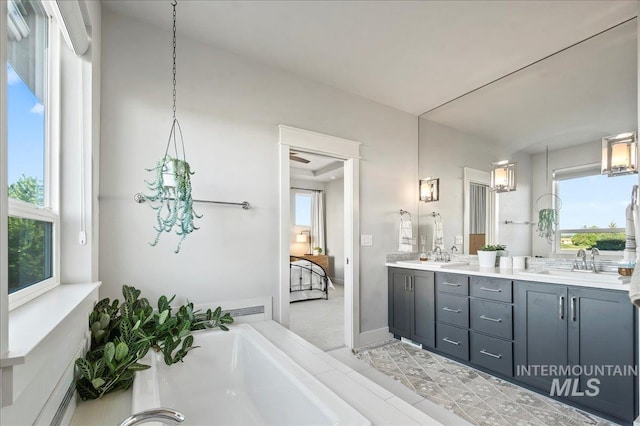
(303, 278)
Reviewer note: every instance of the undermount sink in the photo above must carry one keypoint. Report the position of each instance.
(602, 277)
(434, 263)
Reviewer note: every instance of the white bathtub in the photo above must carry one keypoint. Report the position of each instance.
(239, 378)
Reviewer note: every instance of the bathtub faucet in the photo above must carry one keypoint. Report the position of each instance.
(152, 415)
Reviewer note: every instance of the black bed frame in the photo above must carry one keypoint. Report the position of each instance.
(323, 277)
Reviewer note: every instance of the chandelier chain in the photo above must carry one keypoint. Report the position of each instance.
(174, 4)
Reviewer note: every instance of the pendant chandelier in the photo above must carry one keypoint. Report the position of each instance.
(171, 187)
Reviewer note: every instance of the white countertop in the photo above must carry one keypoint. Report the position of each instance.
(603, 280)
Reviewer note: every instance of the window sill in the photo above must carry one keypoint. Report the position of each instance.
(32, 322)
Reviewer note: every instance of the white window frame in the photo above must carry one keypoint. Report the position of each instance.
(50, 213)
(572, 173)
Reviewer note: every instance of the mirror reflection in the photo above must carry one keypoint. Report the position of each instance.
(567, 102)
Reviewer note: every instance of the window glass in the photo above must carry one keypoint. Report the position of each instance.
(31, 222)
(303, 210)
(29, 252)
(593, 211)
(26, 94)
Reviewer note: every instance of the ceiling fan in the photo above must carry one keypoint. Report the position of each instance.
(293, 156)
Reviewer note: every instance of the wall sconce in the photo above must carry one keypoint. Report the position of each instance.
(429, 190)
(620, 154)
(503, 176)
(304, 237)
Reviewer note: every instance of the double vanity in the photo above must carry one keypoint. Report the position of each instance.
(564, 333)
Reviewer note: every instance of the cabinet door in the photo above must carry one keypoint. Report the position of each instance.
(601, 333)
(424, 327)
(400, 303)
(540, 332)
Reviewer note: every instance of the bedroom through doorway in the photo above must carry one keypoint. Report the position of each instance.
(316, 258)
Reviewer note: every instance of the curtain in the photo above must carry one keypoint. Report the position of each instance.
(317, 221)
(478, 202)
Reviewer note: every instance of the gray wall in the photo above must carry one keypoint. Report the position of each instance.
(229, 108)
(334, 211)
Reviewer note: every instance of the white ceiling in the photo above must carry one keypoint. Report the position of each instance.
(411, 55)
(319, 169)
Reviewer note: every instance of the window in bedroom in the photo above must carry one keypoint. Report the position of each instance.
(33, 217)
(303, 209)
(593, 208)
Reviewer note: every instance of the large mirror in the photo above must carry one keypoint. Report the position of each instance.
(565, 103)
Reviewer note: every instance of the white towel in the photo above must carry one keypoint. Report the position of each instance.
(630, 235)
(438, 236)
(406, 235)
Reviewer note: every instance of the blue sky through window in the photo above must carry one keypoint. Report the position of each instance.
(25, 130)
(595, 200)
(303, 209)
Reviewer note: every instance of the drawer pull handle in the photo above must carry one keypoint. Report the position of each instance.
(493, 290)
(446, 339)
(455, 311)
(451, 284)
(483, 352)
(490, 319)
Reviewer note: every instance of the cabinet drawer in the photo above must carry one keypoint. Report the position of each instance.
(453, 341)
(452, 283)
(492, 318)
(452, 309)
(491, 288)
(492, 353)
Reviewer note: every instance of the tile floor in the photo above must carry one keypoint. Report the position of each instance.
(471, 394)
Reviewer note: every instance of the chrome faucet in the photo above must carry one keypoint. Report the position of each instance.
(152, 415)
(438, 252)
(594, 252)
(581, 254)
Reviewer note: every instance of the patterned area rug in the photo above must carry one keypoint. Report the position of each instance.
(471, 394)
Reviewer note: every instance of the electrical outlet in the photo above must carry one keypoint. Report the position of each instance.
(366, 240)
(458, 239)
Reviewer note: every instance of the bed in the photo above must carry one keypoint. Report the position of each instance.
(308, 280)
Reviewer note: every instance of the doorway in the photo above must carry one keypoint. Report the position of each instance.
(294, 142)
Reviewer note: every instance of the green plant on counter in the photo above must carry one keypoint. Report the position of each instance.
(496, 247)
(123, 333)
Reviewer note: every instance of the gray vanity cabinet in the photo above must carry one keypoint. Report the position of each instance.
(411, 305)
(558, 325)
(601, 333)
(540, 330)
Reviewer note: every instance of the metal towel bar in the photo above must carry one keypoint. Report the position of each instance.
(140, 198)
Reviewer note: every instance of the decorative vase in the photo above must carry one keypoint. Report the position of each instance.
(487, 259)
(316, 252)
(499, 254)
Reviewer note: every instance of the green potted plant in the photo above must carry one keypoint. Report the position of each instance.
(317, 251)
(487, 255)
(171, 198)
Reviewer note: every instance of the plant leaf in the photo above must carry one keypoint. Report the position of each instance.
(137, 367)
(163, 316)
(121, 351)
(97, 382)
(104, 320)
(85, 368)
(109, 352)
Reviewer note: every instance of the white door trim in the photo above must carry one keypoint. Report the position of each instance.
(349, 151)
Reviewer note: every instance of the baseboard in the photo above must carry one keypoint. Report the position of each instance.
(372, 337)
(337, 281)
